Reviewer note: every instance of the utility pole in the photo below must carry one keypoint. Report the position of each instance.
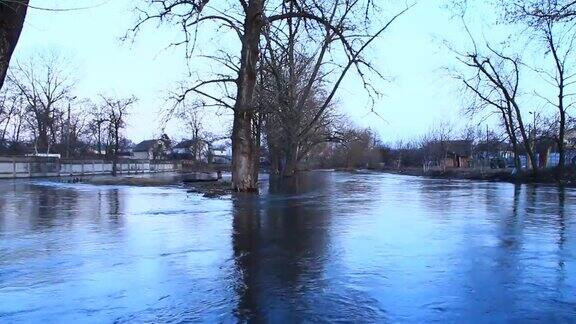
(534, 129)
(68, 129)
(68, 133)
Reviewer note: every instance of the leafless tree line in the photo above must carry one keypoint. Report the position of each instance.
(356, 148)
(495, 75)
(39, 112)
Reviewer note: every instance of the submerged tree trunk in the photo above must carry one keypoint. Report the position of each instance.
(275, 160)
(244, 147)
(244, 168)
(12, 14)
(292, 160)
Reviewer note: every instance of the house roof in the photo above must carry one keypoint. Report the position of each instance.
(186, 143)
(492, 145)
(145, 146)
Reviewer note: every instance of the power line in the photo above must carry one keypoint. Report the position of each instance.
(54, 9)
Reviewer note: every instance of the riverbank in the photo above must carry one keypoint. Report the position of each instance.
(547, 176)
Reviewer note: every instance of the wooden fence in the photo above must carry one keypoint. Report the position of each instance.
(30, 167)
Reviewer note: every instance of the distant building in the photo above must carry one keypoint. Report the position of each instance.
(196, 150)
(570, 138)
(449, 154)
(151, 150)
(221, 152)
(44, 155)
(95, 151)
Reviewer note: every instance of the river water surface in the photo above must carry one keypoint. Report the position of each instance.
(324, 247)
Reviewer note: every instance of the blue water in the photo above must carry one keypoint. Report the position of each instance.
(323, 247)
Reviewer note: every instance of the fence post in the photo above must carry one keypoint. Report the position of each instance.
(14, 167)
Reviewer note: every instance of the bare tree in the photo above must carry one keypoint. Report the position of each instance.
(493, 79)
(74, 126)
(436, 143)
(281, 84)
(97, 126)
(560, 51)
(12, 15)
(293, 93)
(191, 116)
(45, 85)
(356, 148)
(552, 22)
(10, 107)
(538, 12)
(343, 21)
(116, 111)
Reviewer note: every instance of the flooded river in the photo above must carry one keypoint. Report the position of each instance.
(324, 247)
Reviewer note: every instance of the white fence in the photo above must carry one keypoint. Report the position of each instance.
(19, 167)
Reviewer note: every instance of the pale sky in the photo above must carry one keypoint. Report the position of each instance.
(411, 53)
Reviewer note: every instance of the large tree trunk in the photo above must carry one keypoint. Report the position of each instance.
(526, 141)
(244, 147)
(291, 160)
(43, 140)
(275, 159)
(12, 14)
(244, 155)
(509, 123)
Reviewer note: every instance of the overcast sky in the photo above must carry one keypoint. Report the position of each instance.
(411, 53)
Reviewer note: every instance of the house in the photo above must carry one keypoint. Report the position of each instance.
(449, 154)
(548, 153)
(492, 153)
(195, 149)
(570, 138)
(151, 150)
(221, 152)
(221, 155)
